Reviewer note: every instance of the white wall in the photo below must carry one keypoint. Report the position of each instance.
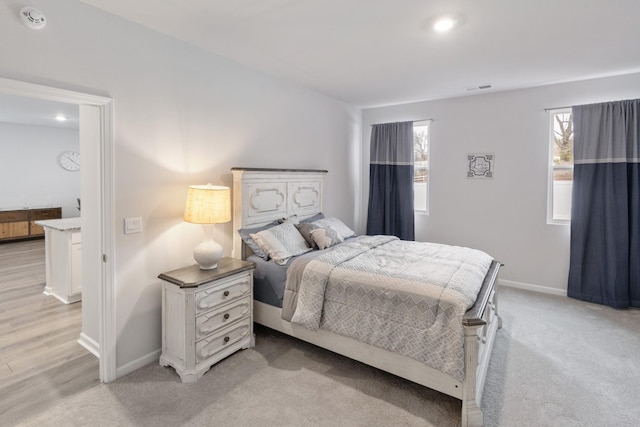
(504, 216)
(182, 116)
(30, 172)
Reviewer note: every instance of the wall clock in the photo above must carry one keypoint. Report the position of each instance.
(69, 160)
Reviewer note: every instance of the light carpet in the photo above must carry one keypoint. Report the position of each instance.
(556, 362)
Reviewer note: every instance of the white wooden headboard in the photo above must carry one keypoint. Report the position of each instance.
(261, 196)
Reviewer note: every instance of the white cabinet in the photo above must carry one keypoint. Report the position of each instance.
(75, 288)
(206, 316)
(63, 254)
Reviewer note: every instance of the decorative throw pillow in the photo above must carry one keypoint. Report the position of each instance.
(305, 229)
(245, 234)
(325, 237)
(337, 225)
(281, 242)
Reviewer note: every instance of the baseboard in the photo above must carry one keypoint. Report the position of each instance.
(90, 344)
(534, 288)
(138, 363)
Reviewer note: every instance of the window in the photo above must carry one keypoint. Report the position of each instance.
(421, 166)
(560, 166)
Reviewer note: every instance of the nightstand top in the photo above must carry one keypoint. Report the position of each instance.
(192, 276)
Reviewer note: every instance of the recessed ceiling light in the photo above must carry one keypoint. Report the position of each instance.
(444, 23)
(61, 118)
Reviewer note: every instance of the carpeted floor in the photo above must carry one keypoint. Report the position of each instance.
(556, 362)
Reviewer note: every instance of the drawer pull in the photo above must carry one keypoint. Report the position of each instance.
(226, 340)
(226, 293)
(226, 316)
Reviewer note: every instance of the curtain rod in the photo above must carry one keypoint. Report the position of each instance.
(413, 121)
(593, 103)
(556, 108)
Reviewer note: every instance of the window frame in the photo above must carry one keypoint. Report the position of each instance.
(427, 168)
(551, 168)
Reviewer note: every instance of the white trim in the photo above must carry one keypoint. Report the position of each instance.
(88, 343)
(18, 88)
(550, 219)
(134, 365)
(107, 306)
(106, 298)
(427, 168)
(534, 288)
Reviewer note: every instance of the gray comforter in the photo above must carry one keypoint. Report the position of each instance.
(407, 297)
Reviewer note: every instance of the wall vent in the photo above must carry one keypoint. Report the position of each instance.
(482, 87)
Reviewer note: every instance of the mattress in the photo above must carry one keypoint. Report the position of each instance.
(269, 278)
(269, 281)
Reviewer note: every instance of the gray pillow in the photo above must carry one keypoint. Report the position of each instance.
(305, 229)
(334, 223)
(313, 218)
(245, 234)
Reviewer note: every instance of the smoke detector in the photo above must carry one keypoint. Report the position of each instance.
(32, 17)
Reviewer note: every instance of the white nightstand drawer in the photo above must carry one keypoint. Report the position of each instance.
(221, 317)
(223, 339)
(222, 293)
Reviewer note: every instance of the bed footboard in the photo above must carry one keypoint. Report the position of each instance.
(480, 325)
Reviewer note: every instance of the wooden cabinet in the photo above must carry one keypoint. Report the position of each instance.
(40, 214)
(19, 223)
(14, 224)
(206, 316)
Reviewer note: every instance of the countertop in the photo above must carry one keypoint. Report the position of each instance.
(28, 208)
(64, 224)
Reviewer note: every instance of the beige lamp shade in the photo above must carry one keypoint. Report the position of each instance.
(208, 204)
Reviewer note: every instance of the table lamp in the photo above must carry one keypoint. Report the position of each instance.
(208, 205)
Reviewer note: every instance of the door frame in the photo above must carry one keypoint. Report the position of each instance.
(104, 148)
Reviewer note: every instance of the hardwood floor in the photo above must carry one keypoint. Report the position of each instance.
(41, 362)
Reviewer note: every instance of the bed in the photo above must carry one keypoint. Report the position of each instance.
(264, 197)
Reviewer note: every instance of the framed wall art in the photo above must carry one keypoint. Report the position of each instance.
(480, 165)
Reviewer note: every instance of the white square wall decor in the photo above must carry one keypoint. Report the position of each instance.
(480, 165)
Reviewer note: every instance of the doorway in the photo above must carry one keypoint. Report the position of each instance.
(96, 147)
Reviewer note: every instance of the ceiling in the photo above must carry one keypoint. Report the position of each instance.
(37, 112)
(382, 52)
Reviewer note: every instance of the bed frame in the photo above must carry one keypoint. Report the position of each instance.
(263, 195)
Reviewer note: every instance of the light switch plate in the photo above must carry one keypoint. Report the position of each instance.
(132, 225)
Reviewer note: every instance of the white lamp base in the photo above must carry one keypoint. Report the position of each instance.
(207, 253)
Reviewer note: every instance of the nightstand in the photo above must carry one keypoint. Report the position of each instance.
(206, 316)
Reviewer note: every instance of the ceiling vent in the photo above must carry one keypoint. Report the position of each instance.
(32, 18)
(482, 87)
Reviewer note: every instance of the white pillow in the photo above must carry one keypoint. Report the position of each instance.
(281, 242)
(334, 223)
(325, 237)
